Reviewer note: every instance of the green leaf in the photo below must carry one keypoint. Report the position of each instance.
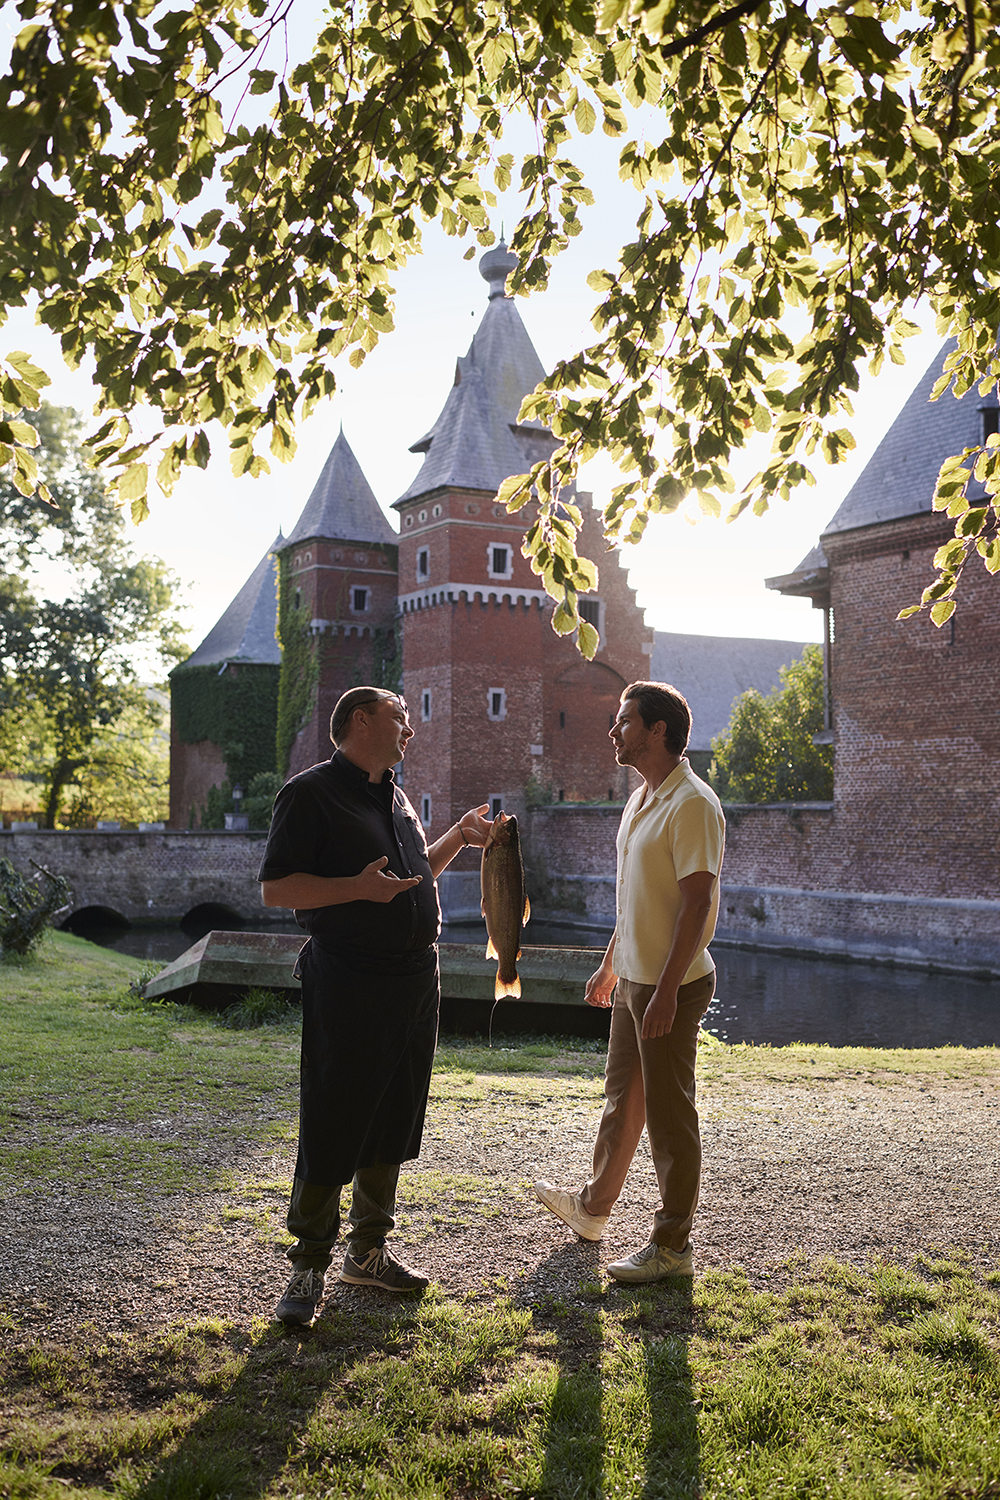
(585, 116)
(942, 610)
(132, 485)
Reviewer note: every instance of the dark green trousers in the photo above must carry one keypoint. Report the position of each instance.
(314, 1216)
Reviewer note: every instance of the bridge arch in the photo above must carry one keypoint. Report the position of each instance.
(88, 919)
(211, 915)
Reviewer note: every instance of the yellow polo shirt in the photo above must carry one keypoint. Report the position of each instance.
(677, 831)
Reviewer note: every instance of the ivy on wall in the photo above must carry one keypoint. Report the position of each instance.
(299, 666)
(238, 711)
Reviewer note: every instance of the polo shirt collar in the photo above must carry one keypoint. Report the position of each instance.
(357, 773)
(672, 782)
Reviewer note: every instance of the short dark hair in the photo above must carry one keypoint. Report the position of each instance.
(358, 697)
(659, 702)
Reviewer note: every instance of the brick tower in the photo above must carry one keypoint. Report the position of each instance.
(505, 709)
(336, 607)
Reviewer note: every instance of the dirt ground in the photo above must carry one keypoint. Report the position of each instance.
(857, 1169)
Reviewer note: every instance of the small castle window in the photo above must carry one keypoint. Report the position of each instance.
(436, 511)
(422, 516)
(425, 705)
(498, 510)
(298, 597)
(472, 510)
(496, 703)
(359, 600)
(361, 557)
(496, 804)
(499, 561)
(409, 521)
(592, 611)
(991, 421)
(425, 810)
(423, 562)
(562, 719)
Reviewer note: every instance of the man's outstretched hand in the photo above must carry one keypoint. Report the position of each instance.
(373, 885)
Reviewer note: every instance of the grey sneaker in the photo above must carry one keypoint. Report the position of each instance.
(379, 1267)
(653, 1263)
(302, 1296)
(567, 1206)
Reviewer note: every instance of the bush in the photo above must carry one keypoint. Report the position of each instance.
(25, 909)
(767, 752)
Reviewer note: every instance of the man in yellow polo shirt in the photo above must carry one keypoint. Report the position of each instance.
(670, 847)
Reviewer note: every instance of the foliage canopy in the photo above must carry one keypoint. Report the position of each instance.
(75, 714)
(214, 226)
(766, 754)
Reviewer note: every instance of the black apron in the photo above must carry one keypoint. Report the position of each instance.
(369, 1030)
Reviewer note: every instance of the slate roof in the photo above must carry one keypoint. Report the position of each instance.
(246, 631)
(711, 671)
(342, 506)
(899, 478)
(477, 441)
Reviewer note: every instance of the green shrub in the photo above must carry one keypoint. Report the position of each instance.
(25, 909)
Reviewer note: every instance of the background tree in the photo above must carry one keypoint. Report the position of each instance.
(76, 711)
(767, 752)
(215, 232)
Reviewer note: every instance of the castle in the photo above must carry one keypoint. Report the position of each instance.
(507, 711)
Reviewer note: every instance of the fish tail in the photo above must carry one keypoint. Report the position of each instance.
(507, 989)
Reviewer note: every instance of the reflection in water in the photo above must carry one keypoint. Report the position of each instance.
(760, 997)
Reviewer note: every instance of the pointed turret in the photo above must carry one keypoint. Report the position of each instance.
(477, 440)
(342, 506)
(245, 632)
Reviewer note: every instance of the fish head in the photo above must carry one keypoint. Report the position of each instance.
(503, 832)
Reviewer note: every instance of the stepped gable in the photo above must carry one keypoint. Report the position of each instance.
(342, 505)
(477, 441)
(246, 631)
(899, 478)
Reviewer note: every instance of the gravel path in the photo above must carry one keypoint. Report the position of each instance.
(856, 1169)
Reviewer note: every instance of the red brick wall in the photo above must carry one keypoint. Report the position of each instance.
(349, 650)
(463, 648)
(193, 770)
(916, 719)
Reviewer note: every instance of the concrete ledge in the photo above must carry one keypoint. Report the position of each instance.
(222, 966)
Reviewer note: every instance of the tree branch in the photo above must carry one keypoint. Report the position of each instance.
(721, 21)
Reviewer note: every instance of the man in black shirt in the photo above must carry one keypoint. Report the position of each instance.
(347, 853)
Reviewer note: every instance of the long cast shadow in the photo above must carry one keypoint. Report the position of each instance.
(574, 1440)
(244, 1439)
(580, 1461)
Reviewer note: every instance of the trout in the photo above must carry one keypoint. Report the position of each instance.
(505, 905)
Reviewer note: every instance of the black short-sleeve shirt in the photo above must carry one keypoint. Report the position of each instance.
(332, 820)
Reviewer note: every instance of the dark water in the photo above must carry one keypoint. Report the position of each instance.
(759, 997)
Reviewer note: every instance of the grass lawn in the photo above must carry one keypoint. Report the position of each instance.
(881, 1381)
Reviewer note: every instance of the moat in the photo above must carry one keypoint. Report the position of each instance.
(762, 998)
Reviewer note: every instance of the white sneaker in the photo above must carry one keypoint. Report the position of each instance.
(653, 1263)
(567, 1206)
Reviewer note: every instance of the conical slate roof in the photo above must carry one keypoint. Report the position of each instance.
(477, 440)
(246, 632)
(342, 505)
(899, 478)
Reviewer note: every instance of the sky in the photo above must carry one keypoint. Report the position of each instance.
(704, 578)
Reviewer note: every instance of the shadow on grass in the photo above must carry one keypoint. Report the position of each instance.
(623, 1416)
(257, 1420)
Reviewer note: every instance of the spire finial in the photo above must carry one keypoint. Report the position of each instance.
(495, 266)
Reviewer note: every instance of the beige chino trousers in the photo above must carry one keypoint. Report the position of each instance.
(651, 1083)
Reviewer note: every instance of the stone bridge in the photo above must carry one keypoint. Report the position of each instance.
(151, 877)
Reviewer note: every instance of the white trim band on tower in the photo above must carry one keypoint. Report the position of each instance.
(452, 593)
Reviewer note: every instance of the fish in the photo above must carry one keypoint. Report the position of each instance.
(505, 903)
